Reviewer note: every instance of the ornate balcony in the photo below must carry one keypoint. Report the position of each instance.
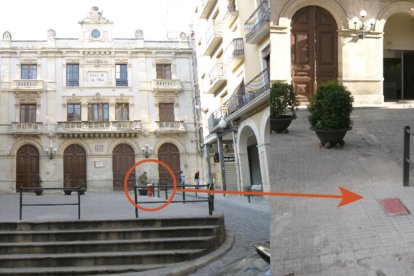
(169, 127)
(258, 25)
(215, 117)
(216, 78)
(114, 129)
(205, 7)
(26, 128)
(28, 85)
(234, 53)
(161, 85)
(212, 38)
(254, 95)
(232, 13)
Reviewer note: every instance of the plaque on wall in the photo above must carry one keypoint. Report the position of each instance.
(99, 164)
(97, 78)
(99, 148)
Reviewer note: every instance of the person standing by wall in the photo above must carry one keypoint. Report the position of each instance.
(197, 179)
(182, 178)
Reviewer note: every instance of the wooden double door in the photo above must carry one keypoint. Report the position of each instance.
(74, 165)
(314, 46)
(170, 155)
(123, 158)
(27, 166)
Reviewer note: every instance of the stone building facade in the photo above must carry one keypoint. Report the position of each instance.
(233, 58)
(88, 108)
(368, 46)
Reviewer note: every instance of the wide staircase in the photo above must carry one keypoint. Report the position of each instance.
(105, 247)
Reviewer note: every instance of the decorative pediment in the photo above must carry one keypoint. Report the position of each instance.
(72, 60)
(73, 99)
(122, 99)
(121, 60)
(165, 98)
(27, 98)
(95, 17)
(28, 61)
(98, 98)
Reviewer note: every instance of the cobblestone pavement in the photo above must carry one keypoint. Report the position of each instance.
(313, 236)
(249, 223)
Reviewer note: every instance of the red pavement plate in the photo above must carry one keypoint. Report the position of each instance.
(394, 207)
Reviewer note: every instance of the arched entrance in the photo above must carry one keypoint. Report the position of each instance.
(399, 58)
(123, 157)
(314, 47)
(27, 166)
(250, 165)
(169, 154)
(74, 165)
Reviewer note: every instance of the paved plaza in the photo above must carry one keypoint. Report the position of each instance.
(314, 237)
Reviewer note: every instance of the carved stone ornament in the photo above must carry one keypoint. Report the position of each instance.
(7, 36)
(97, 52)
(28, 61)
(122, 99)
(121, 60)
(139, 34)
(72, 60)
(22, 99)
(51, 34)
(183, 36)
(164, 99)
(73, 99)
(99, 98)
(95, 16)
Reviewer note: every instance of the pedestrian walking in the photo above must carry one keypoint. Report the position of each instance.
(182, 178)
(197, 179)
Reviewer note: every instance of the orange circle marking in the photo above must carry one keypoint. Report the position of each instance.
(150, 161)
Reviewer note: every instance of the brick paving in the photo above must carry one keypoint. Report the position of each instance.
(313, 236)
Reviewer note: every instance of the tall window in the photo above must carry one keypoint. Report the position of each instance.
(74, 112)
(98, 112)
(122, 112)
(121, 75)
(27, 113)
(164, 71)
(72, 74)
(29, 71)
(166, 112)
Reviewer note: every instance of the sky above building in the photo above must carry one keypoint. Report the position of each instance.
(29, 19)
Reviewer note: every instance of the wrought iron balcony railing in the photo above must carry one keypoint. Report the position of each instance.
(246, 94)
(234, 53)
(255, 26)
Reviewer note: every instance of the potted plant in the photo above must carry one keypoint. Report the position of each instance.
(67, 189)
(330, 113)
(38, 185)
(82, 186)
(283, 104)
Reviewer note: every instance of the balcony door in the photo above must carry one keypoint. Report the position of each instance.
(74, 164)
(166, 112)
(169, 154)
(314, 50)
(123, 158)
(27, 166)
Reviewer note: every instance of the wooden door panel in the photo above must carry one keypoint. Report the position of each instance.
(74, 164)
(169, 154)
(123, 158)
(314, 50)
(27, 166)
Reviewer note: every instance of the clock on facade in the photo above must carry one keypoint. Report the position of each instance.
(96, 33)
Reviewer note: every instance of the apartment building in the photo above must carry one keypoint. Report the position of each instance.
(233, 58)
(368, 46)
(88, 108)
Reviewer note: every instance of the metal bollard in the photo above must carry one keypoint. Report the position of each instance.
(183, 187)
(136, 201)
(166, 192)
(406, 157)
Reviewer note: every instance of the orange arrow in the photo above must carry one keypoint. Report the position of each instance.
(347, 196)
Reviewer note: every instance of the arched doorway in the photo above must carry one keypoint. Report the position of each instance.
(74, 165)
(169, 154)
(250, 163)
(399, 58)
(314, 46)
(27, 166)
(123, 157)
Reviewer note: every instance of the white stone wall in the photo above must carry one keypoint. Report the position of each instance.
(99, 55)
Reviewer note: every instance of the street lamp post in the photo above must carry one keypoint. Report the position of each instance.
(222, 125)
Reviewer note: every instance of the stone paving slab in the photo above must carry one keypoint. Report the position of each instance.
(313, 236)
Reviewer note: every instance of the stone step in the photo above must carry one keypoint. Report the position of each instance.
(99, 258)
(110, 234)
(53, 247)
(80, 270)
(109, 224)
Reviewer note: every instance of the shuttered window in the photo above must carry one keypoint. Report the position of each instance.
(72, 74)
(121, 75)
(27, 113)
(164, 71)
(98, 112)
(122, 112)
(29, 71)
(74, 112)
(166, 112)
